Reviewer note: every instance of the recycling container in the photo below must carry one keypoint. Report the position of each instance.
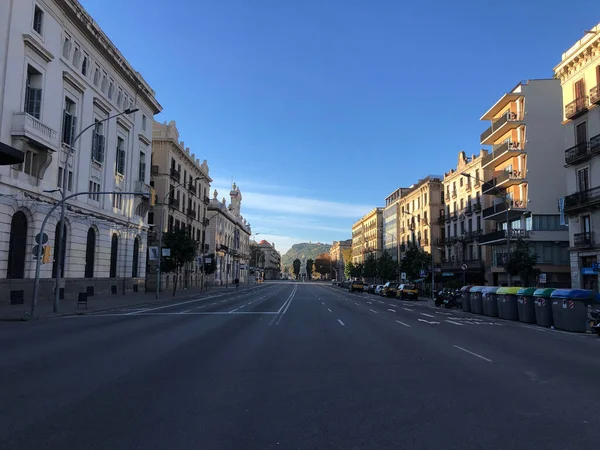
(543, 307)
(490, 301)
(525, 305)
(466, 301)
(569, 307)
(508, 303)
(475, 297)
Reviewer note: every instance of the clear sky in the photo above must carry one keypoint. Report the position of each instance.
(318, 109)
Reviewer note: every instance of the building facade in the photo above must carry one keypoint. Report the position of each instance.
(579, 75)
(420, 206)
(59, 75)
(367, 236)
(391, 223)
(271, 261)
(181, 185)
(463, 226)
(525, 162)
(228, 238)
(336, 253)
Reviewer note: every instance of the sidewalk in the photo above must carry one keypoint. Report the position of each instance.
(44, 309)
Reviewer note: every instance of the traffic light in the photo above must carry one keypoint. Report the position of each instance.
(46, 257)
(152, 196)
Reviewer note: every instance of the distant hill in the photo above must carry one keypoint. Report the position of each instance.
(304, 249)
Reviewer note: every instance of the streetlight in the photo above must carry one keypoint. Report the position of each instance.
(160, 232)
(63, 191)
(505, 197)
(426, 223)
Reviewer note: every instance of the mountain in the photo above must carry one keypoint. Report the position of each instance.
(304, 249)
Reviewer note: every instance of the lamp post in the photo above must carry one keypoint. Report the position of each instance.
(160, 233)
(504, 196)
(63, 191)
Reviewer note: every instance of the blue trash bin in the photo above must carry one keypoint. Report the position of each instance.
(490, 301)
(475, 295)
(569, 307)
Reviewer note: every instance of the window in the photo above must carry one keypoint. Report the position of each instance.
(59, 182)
(111, 88)
(76, 57)
(581, 133)
(69, 122)
(477, 175)
(96, 77)
(461, 182)
(94, 189)
(90, 253)
(64, 250)
(136, 258)
(104, 84)
(38, 19)
(478, 223)
(114, 248)
(119, 98)
(98, 142)
(125, 101)
(118, 201)
(142, 167)
(151, 218)
(583, 179)
(579, 89)
(33, 92)
(31, 164)
(84, 66)
(120, 166)
(17, 248)
(66, 50)
(143, 122)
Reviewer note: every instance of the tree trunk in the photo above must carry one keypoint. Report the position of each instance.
(175, 282)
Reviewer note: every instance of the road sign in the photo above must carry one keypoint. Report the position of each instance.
(166, 252)
(596, 266)
(44, 239)
(542, 278)
(423, 273)
(464, 267)
(153, 251)
(403, 276)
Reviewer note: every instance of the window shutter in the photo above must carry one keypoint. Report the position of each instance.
(95, 145)
(73, 128)
(121, 164)
(101, 148)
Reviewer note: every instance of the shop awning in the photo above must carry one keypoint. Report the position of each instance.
(10, 155)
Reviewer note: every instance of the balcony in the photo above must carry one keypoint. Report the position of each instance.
(503, 179)
(441, 241)
(468, 187)
(595, 95)
(191, 213)
(499, 210)
(577, 153)
(34, 129)
(503, 152)
(507, 121)
(448, 218)
(585, 239)
(577, 107)
(144, 188)
(457, 265)
(468, 211)
(454, 193)
(441, 219)
(192, 189)
(477, 182)
(454, 216)
(175, 174)
(447, 197)
(595, 145)
(206, 200)
(499, 236)
(477, 207)
(174, 202)
(582, 200)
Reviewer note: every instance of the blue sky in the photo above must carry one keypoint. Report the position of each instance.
(319, 109)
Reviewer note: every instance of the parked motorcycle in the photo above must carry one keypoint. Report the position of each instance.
(448, 298)
(594, 320)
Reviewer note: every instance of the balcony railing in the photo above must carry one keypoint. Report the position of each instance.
(175, 174)
(174, 202)
(191, 213)
(509, 116)
(24, 124)
(468, 187)
(447, 197)
(577, 153)
(577, 107)
(441, 219)
(595, 94)
(468, 211)
(448, 217)
(518, 205)
(192, 189)
(477, 207)
(457, 264)
(595, 144)
(477, 182)
(585, 239)
(206, 200)
(500, 235)
(582, 200)
(141, 186)
(454, 193)
(454, 215)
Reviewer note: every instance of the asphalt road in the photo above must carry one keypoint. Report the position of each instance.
(295, 366)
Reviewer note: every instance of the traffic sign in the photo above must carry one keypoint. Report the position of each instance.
(403, 276)
(44, 239)
(464, 267)
(596, 266)
(542, 278)
(423, 273)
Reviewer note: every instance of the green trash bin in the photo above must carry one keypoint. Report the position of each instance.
(569, 307)
(526, 305)
(466, 301)
(475, 296)
(543, 307)
(490, 301)
(507, 303)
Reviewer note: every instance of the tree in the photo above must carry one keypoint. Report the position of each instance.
(209, 267)
(309, 267)
(521, 261)
(296, 266)
(323, 264)
(358, 270)
(370, 266)
(183, 250)
(349, 269)
(414, 259)
(387, 268)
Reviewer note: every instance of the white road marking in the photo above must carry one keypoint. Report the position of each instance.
(356, 303)
(170, 305)
(534, 328)
(322, 303)
(472, 353)
(341, 323)
(455, 323)
(443, 313)
(392, 310)
(407, 309)
(402, 323)
(373, 311)
(427, 321)
(328, 310)
(391, 304)
(289, 301)
(370, 303)
(428, 315)
(240, 307)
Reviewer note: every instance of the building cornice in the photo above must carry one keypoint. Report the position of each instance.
(144, 139)
(73, 81)
(100, 103)
(586, 53)
(37, 47)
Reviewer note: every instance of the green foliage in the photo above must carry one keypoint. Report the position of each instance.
(413, 261)
(348, 269)
(323, 264)
(296, 266)
(304, 250)
(309, 267)
(183, 250)
(387, 268)
(357, 271)
(370, 266)
(521, 261)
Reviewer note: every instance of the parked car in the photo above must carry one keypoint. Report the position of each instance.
(371, 289)
(389, 289)
(378, 289)
(356, 285)
(407, 291)
(366, 287)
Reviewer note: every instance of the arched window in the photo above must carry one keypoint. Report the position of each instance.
(136, 257)
(90, 253)
(64, 251)
(114, 250)
(17, 247)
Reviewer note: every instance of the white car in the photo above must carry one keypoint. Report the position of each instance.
(378, 289)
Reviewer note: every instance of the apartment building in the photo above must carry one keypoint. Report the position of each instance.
(367, 236)
(421, 206)
(525, 169)
(228, 238)
(336, 253)
(81, 114)
(463, 226)
(181, 183)
(579, 75)
(270, 261)
(391, 223)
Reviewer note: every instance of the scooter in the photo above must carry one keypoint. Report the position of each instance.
(451, 300)
(594, 320)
